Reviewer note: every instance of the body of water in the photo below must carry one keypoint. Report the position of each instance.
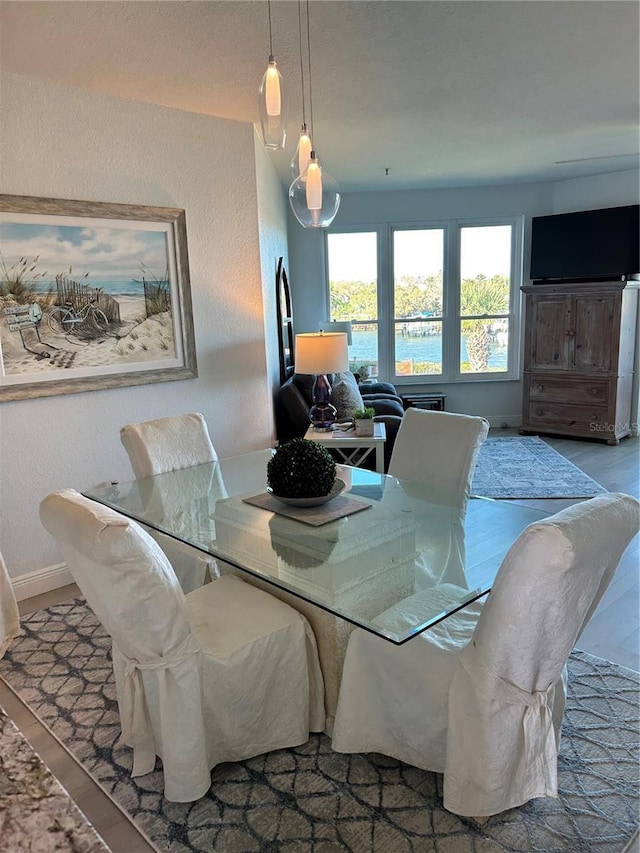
(418, 349)
(122, 287)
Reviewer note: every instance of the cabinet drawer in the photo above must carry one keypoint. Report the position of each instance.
(579, 419)
(564, 390)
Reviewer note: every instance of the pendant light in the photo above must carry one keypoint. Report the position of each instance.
(314, 195)
(271, 101)
(302, 156)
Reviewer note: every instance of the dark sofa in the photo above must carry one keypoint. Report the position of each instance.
(293, 401)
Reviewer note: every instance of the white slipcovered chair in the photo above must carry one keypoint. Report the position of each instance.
(440, 449)
(9, 618)
(168, 444)
(481, 696)
(221, 674)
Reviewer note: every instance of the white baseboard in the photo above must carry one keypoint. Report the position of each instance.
(42, 580)
(506, 421)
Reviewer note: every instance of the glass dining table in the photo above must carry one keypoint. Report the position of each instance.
(409, 537)
(399, 558)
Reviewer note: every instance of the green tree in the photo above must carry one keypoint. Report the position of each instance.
(415, 295)
(353, 300)
(481, 296)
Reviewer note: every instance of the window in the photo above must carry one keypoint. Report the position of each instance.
(485, 298)
(352, 261)
(418, 301)
(433, 302)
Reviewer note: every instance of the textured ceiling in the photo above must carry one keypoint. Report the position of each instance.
(441, 94)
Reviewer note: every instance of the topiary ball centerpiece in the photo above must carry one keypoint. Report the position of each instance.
(301, 469)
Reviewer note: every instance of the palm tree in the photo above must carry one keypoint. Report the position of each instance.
(481, 297)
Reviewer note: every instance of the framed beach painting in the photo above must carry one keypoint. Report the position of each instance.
(92, 295)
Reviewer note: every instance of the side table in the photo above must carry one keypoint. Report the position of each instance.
(353, 449)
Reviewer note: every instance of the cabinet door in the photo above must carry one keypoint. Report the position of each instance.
(548, 323)
(591, 331)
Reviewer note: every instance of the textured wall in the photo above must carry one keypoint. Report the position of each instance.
(612, 190)
(272, 223)
(68, 143)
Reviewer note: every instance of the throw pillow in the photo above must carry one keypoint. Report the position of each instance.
(346, 396)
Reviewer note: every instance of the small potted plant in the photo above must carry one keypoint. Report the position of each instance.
(362, 373)
(363, 421)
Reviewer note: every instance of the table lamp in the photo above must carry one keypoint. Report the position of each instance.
(319, 353)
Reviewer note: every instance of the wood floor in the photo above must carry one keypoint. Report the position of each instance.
(614, 630)
(613, 633)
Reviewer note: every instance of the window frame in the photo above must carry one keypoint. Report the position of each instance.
(514, 314)
(451, 319)
(433, 225)
(378, 230)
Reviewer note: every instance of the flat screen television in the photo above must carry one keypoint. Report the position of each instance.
(591, 245)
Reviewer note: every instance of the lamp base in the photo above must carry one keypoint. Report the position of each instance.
(322, 417)
(322, 414)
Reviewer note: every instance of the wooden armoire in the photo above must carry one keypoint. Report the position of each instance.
(578, 359)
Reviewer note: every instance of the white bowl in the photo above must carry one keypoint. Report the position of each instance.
(337, 487)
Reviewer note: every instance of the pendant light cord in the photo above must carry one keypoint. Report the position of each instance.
(313, 136)
(270, 38)
(304, 116)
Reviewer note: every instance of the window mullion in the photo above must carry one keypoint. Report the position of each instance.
(513, 354)
(451, 284)
(385, 302)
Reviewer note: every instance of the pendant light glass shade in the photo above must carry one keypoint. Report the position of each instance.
(314, 196)
(272, 107)
(302, 156)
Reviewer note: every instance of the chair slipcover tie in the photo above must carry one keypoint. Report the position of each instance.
(539, 734)
(136, 718)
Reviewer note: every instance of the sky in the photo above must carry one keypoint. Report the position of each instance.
(485, 250)
(105, 252)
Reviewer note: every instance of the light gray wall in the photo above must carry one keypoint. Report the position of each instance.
(614, 190)
(69, 143)
(499, 401)
(272, 225)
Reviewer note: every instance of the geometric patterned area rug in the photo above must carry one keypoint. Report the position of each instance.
(517, 468)
(312, 799)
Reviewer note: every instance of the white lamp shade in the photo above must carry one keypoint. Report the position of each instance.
(339, 326)
(318, 353)
(272, 106)
(300, 162)
(273, 101)
(313, 189)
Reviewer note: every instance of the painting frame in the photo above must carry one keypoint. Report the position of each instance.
(169, 224)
